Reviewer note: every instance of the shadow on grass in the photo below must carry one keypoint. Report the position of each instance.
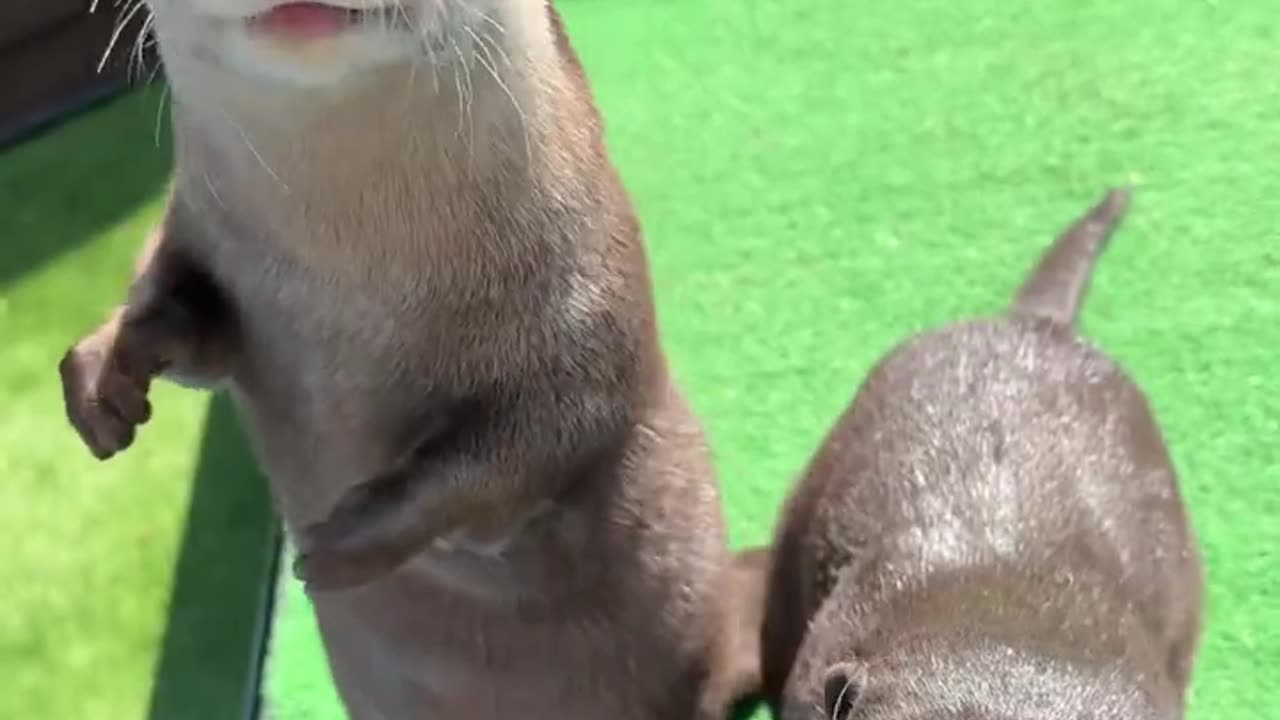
(748, 709)
(64, 189)
(91, 187)
(207, 666)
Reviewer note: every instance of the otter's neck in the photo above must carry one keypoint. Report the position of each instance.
(411, 155)
(439, 125)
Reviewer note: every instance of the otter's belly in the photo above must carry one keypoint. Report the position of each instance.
(309, 461)
(439, 639)
(410, 647)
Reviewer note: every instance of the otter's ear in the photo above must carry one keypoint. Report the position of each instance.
(842, 688)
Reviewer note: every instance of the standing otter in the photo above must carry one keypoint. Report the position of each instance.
(993, 530)
(396, 236)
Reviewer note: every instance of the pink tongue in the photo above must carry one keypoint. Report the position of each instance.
(308, 19)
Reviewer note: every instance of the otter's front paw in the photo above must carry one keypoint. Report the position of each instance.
(104, 386)
(372, 531)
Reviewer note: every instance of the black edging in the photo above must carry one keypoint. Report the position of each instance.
(252, 705)
(35, 123)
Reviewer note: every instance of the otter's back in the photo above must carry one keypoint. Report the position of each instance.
(998, 441)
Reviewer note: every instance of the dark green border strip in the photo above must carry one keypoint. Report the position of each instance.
(255, 692)
(40, 121)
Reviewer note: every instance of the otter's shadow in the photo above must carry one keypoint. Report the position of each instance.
(96, 170)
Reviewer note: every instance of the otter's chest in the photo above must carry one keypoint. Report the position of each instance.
(330, 377)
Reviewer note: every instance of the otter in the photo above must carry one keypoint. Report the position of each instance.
(395, 236)
(992, 530)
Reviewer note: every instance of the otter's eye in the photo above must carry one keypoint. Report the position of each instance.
(841, 689)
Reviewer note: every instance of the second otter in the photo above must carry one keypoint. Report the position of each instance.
(992, 530)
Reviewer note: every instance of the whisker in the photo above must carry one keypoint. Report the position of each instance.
(497, 46)
(404, 15)
(413, 73)
(155, 70)
(138, 59)
(208, 181)
(490, 65)
(467, 101)
(129, 12)
(249, 144)
(434, 62)
(457, 83)
(486, 17)
(164, 96)
(494, 43)
(414, 62)
(426, 46)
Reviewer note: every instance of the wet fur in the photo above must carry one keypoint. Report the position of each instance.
(992, 530)
(431, 304)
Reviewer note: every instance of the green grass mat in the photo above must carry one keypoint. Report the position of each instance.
(130, 588)
(819, 177)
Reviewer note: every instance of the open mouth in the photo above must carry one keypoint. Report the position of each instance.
(309, 20)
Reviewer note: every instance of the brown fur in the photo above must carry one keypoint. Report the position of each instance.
(735, 657)
(993, 530)
(434, 313)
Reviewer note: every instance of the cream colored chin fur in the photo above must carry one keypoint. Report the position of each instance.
(212, 47)
(403, 134)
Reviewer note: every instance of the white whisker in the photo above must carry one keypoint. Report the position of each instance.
(490, 65)
(486, 17)
(129, 12)
(413, 74)
(403, 14)
(426, 46)
(249, 144)
(433, 61)
(457, 83)
(138, 60)
(467, 101)
(164, 96)
(497, 46)
(208, 181)
(494, 43)
(155, 70)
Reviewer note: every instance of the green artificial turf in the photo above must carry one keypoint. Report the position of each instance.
(818, 178)
(129, 589)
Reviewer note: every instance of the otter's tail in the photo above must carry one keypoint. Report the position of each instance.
(1056, 287)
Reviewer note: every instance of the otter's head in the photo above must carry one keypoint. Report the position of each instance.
(289, 47)
(980, 682)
